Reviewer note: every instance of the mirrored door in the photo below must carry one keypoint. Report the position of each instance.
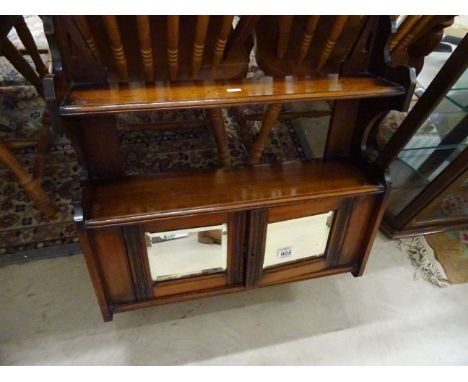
(194, 253)
(187, 252)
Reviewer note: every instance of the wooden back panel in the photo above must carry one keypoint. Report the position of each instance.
(154, 48)
(305, 45)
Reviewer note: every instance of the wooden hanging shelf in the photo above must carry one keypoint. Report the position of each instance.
(135, 199)
(115, 98)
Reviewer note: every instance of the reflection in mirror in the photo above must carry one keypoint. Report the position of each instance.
(310, 121)
(297, 239)
(187, 252)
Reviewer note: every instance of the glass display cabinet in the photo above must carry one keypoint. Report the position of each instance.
(430, 173)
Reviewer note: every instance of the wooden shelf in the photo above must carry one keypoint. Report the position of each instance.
(200, 94)
(134, 199)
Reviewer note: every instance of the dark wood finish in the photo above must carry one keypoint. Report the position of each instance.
(189, 284)
(188, 221)
(298, 270)
(340, 131)
(100, 145)
(234, 273)
(123, 98)
(138, 261)
(311, 45)
(342, 207)
(302, 209)
(335, 32)
(173, 45)
(201, 29)
(85, 30)
(233, 289)
(94, 269)
(143, 198)
(338, 232)
(311, 26)
(113, 32)
(205, 60)
(102, 51)
(221, 41)
(109, 246)
(256, 246)
(144, 36)
(237, 228)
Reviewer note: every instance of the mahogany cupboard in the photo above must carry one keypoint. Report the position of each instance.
(277, 224)
(175, 236)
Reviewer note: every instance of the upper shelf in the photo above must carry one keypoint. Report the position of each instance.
(134, 199)
(117, 98)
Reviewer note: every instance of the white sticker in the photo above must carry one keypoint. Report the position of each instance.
(285, 252)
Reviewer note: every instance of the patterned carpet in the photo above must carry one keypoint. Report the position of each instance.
(26, 234)
(23, 228)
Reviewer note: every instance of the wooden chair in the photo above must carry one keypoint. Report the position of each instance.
(126, 50)
(415, 37)
(302, 46)
(318, 45)
(31, 183)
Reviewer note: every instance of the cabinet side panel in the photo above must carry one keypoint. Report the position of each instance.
(109, 248)
(355, 241)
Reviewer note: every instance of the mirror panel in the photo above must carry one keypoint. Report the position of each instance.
(187, 252)
(297, 239)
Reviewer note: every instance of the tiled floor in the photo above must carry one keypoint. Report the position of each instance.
(49, 316)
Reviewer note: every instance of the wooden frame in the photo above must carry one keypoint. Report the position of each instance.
(115, 210)
(119, 258)
(405, 222)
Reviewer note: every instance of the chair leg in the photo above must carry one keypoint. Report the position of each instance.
(268, 121)
(216, 116)
(31, 186)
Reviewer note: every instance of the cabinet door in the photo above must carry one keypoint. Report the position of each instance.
(188, 254)
(294, 241)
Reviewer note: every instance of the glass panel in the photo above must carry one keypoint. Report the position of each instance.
(462, 82)
(414, 170)
(297, 239)
(439, 140)
(187, 252)
(452, 203)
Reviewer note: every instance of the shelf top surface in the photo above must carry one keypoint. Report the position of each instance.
(114, 98)
(141, 198)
